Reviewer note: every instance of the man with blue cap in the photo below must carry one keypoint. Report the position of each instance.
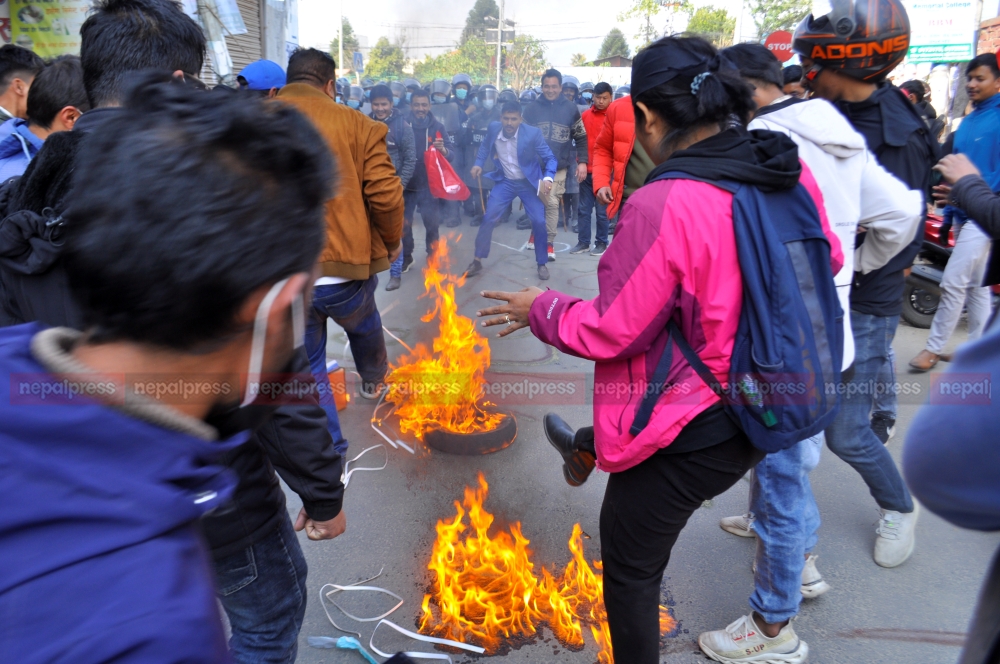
(264, 77)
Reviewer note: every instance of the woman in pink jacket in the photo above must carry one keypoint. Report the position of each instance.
(673, 258)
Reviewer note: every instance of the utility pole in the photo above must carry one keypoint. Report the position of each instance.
(340, 36)
(499, 43)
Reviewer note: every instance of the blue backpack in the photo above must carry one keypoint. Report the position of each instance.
(785, 372)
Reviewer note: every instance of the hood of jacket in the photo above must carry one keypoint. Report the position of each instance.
(818, 122)
(16, 139)
(765, 159)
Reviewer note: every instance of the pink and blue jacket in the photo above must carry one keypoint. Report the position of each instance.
(673, 257)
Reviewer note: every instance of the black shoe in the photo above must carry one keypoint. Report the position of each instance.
(407, 262)
(476, 220)
(599, 249)
(475, 267)
(523, 224)
(576, 448)
(580, 248)
(393, 284)
(543, 272)
(454, 223)
(884, 428)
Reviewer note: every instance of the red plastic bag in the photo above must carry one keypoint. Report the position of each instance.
(443, 180)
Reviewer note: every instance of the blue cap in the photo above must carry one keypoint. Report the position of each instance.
(263, 75)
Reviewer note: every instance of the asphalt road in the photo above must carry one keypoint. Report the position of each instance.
(916, 613)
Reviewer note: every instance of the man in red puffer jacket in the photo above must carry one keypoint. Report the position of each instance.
(615, 157)
(593, 122)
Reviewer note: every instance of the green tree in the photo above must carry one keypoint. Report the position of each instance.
(476, 23)
(646, 10)
(472, 58)
(578, 60)
(524, 62)
(715, 25)
(772, 15)
(614, 44)
(385, 60)
(350, 45)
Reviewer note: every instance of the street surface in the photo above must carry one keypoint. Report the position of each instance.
(916, 613)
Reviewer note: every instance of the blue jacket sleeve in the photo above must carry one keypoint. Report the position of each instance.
(950, 457)
(549, 163)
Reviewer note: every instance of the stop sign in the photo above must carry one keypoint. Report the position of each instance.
(780, 43)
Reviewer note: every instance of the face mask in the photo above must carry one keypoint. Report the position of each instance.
(461, 93)
(408, 95)
(488, 104)
(260, 336)
(438, 99)
(368, 94)
(395, 101)
(354, 103)
(587, 96)
(340, 100)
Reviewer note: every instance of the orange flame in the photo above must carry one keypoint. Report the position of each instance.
(485, 589)
(442, 386)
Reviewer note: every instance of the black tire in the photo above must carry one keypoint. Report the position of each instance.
(473, 444)
(920, 304)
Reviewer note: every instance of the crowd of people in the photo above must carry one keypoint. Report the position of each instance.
(170, 257)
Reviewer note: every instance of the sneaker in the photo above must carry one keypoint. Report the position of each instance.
(738, 525)
(884, 428)
(393, 284)
(372, 391)
(552, 253)
(896, 537)
(599, 249)
(742, 641)
(476, 221)
(523, 223)
(813, 584)
(407, 262)
(580, 248)
(543, 273)
(531, 241)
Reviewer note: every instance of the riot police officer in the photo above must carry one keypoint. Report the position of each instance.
(355, 97)
(461, 89)
(399, 97)
(587, 93)
(475, 133)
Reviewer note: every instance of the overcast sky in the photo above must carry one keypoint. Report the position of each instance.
(433, 26)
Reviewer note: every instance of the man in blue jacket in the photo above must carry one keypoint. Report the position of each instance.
(525, 169)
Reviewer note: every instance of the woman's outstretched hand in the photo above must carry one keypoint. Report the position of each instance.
(513, 315)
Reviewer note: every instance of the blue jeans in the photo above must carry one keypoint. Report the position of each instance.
(885, 403)
(396, 268)
(786, 520)
(588, 201)
(430, 214)
(850, 436)
(352, 306)
(502, 194)
(263, 590)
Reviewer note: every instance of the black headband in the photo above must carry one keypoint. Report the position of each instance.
(665, 60)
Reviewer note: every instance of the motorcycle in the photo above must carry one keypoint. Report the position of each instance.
(922, 292)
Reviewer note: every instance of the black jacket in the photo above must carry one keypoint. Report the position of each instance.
(561, 124)
(399, 144)
(424, 133)
(901, 142)
(292, 439)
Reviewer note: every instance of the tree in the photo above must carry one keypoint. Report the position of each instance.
(350, 46)
(578, 60)
(385, 60)
(715, 25)
(524, 61)
(476, 23)
(772, 15)
(614, 44)
(646, 10)
(472, 58)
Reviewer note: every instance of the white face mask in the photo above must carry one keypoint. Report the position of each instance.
(260, 336)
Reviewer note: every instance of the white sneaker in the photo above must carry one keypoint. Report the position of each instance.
(813, 584)
(531, 242)
(742, 641)
(738, 525)
(896, 537)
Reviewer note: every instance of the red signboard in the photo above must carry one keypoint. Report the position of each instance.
(780, 43)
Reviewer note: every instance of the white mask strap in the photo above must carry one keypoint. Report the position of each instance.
(257, 344)
(298, 322)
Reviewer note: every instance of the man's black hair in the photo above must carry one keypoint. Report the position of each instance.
(602, 88)
(121, 37)
(756, 62)
(17, 62)
(312, 66)
(381, 92)
(984, 60)
(510, 107)
(57, 86)
(549, 73)
(915, 88)
(421, 92)
(791, 74)
(172, 227)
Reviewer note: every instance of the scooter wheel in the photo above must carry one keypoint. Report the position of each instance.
(920, 305)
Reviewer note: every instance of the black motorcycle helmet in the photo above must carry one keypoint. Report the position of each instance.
(506, 96)
(440, 89)
(863, 39)
(398, 92)
(411, 84)
(488, 97)
(623, 91)
(528, 96)
(355, 97)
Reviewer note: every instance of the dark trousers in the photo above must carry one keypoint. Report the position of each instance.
(588, 203)
(645, 508)
(430, 213)
(263, 590)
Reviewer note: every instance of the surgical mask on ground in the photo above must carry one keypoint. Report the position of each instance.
(461, 93)
(438, 99)
(260, 337)
(488, 104)
(354, 103)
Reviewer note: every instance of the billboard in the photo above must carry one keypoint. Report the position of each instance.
(48, 27)
(941, 30)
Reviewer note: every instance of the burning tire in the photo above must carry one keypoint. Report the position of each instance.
(473, 444)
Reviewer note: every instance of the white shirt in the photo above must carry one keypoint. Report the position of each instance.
(507, 155)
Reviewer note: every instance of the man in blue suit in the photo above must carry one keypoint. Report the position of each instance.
(525, 168)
